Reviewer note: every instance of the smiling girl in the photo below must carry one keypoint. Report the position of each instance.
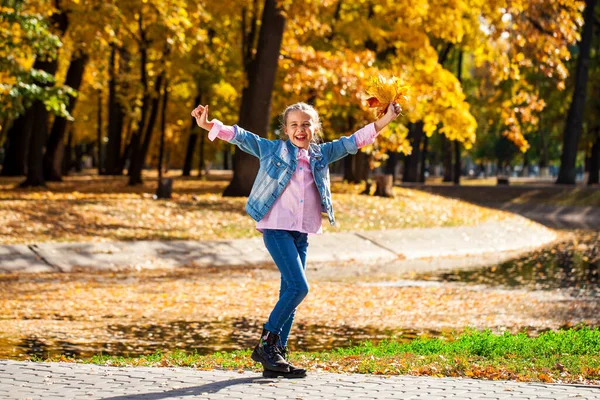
(290, 191)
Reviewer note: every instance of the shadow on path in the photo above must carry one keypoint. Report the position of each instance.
(194, 390)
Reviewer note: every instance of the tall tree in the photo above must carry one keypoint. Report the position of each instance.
(138, 156)
(135, 167)
(39, 113)
(24, 34)
(116, 114)
(52, 162)
(574, 123)
(457, 153)
(255, 112)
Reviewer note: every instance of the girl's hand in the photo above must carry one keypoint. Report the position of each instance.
(393, 111)
(201, 115)
(391, 114)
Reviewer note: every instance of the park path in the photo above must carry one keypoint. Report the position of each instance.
(27, 380)
(506, 238)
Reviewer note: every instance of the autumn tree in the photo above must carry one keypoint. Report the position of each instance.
(255, 111)
(574, 123)
(28, 49)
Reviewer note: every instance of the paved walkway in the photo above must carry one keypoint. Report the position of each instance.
(511, 235)
(25, 380)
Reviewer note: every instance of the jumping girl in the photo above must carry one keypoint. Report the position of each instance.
(291, 190)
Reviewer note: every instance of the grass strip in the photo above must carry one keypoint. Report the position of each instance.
(563, 356)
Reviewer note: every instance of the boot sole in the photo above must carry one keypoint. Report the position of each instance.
(287, 375)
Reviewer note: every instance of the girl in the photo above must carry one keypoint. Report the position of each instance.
(290, 191)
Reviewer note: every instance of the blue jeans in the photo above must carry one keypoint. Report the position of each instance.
(288, 249)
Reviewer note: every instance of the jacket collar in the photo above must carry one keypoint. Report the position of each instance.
(314, 150)
(293, 150)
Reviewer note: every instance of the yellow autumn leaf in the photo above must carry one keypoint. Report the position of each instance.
(384, 91)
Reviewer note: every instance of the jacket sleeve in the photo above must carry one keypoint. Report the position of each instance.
(246, 141)
(346, 145)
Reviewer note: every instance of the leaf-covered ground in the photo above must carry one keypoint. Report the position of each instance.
(89, 207)
(139, 312)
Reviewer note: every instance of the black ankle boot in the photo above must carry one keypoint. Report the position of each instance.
(267, 353)
(294, 371)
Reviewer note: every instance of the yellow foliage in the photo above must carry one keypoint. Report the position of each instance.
(384, 91)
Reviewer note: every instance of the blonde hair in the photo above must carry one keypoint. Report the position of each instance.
(306, 108)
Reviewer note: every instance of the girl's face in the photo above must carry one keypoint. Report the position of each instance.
(300, 128)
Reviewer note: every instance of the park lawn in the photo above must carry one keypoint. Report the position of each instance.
(88, 207)
(563, 356)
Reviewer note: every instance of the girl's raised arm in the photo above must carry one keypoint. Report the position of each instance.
(247, 141)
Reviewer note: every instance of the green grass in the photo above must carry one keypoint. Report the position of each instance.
(571, 355)
(584, 341)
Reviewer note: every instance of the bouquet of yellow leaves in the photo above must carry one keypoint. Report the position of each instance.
(384, 91)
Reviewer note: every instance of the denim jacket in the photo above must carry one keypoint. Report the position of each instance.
(278, 161)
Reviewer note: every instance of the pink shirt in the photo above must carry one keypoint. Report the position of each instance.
(298, 208)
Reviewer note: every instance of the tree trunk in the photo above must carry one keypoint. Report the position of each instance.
(412, 161)
(189, 153)
(544, 170)
(67, 162)
(384, 185)
(137, 162)
(226, 153)
(125, 157)
(39, 115)
(457, 163)
(595, 161)
(201, 161)
(391, 164)
(362, 166)
(161, 149)
(136, 138)
(165, 186)
(543, 145)
(116, 117)
(447, 158)
(191, 146)
(525, 170)
(255, 111)
(79, 152)
(349, 169)
(99, 134)
(17, 146)
(39, 134)
(56, 142)
(424, 159)
(574, 124)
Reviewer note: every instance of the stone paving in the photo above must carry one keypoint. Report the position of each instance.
(29, 380)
